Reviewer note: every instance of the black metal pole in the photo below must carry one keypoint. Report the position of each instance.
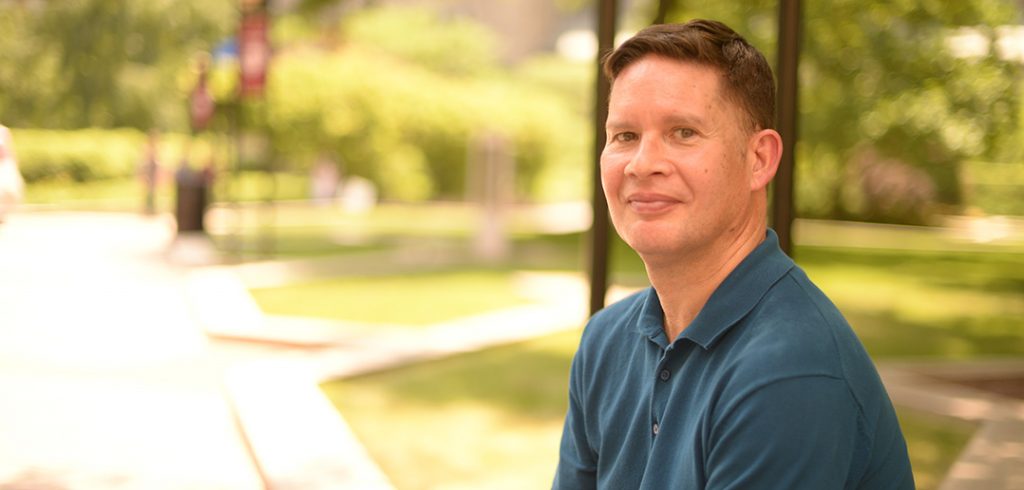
(786, 120)
(599, 231)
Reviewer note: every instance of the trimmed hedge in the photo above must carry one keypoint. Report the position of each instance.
(412, 130)
(86, 155)
(79, 156)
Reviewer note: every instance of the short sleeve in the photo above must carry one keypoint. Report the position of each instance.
(577, 463)
(795, 433)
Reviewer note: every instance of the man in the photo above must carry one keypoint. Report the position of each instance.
(733, 371)
(149, 171)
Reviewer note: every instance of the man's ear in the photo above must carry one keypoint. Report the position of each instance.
(764, 154)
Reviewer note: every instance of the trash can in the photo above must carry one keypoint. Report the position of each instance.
(192, 191)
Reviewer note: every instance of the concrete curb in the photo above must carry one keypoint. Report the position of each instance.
(300, 441)
(994, 457)
(295, 435)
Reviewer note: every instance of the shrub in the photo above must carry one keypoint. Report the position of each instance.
(390, 120)
(994, 187)
(78, 156)
(97, 154)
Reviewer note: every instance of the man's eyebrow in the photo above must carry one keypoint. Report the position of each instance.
(682, 119)
(675, 119)
(616, 124)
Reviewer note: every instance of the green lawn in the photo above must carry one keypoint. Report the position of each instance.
(485, 420)
(951, 305)
(409, 299)
(505, 405)
(126, 194)
(104, 195)
(934, 443)
(491, 419)
(497, 414)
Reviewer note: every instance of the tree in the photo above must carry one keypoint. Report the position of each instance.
(879, 79)
(883, 99)
(104, 63)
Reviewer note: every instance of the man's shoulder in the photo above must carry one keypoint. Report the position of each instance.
(615, 322)
(796, 303)
(623, 307)
(796, 331)
(623, 312)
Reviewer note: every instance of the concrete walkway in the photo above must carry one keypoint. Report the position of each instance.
(131, 360)
(993, 460)
(994, 457)
(106, 380)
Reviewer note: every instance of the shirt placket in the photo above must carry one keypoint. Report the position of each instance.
(661, 389)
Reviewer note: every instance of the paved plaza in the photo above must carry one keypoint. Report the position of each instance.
(106, 380)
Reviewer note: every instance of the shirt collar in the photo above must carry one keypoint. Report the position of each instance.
(742, 289)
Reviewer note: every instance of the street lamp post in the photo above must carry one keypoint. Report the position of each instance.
(254, 54)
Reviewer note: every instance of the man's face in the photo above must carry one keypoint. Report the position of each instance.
(675, 169)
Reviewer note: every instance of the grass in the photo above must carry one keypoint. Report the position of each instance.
(126, 194)
(498, 415)
(104, 195)
(903, 303)
(950, 305)
(412, 299)
(934, 443)
(500, 411)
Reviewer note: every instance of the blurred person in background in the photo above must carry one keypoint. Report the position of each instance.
(324, 180)
(733, 370)
(149, 172)
(12, 186)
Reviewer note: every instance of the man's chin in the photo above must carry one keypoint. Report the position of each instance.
(648, 247)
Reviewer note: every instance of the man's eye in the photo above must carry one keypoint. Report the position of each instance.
(685, 133)
(625, 137)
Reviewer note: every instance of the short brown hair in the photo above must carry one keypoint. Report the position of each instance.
(747, 77)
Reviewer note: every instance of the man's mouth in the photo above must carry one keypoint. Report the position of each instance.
(650, 203)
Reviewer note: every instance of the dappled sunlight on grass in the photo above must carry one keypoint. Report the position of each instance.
(409, 299)
(885, 336)
(940, 304)
(934, 443)
(297, 242)
(111, 194)
(492, 419)
(489, 419)
(465, 445)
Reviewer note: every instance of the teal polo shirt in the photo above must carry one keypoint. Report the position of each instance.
(768, 388)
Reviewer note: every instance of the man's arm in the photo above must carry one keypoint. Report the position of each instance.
(577, 463)
(795, 433)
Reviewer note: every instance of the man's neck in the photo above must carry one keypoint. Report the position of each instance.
(685, 283)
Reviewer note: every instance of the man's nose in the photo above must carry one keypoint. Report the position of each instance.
(649, 159)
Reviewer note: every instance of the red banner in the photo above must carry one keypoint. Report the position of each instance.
(253, 54)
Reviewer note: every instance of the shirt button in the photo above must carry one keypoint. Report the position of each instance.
(655, 428)
(665, 374)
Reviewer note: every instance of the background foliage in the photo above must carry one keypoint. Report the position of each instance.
(407, 111)
(103, 63)
(888, 115)
(893, 126)
(92, 154)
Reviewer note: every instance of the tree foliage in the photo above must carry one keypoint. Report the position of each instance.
(406, 113)
(401, 94)
(883, 99)
(104, 63)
